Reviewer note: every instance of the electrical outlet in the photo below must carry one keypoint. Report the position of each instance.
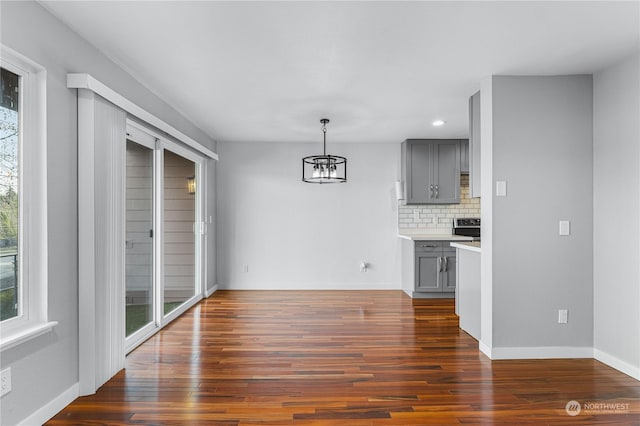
(416, 215)
(563, 316)
(5, 381)
(245, 268)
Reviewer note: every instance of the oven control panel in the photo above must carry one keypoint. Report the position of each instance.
(466, 222)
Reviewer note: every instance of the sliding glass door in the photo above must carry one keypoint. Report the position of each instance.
(164, 238)
(139, 252)
(179, 218)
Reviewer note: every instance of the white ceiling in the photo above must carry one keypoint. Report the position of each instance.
(381, 71)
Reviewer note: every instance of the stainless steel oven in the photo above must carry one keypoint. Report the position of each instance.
(467, 226)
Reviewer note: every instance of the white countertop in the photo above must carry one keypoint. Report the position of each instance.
(431, 235)
(471, 246)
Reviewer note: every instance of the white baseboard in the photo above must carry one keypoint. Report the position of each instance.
(485, 349)
(53, 407)
(312, 286)
(537, 352)
(210, 291)
(617, 363)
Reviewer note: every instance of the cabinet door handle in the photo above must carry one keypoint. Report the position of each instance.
(431, 187)
(439, 264)
(446, 263)
(437, 191)
(428, 245)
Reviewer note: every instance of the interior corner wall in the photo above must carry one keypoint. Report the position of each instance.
(542, 146)
(486, 216)
(44, 371)
(277, 232)
(616, 206)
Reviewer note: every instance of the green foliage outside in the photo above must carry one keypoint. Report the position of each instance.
(9, 216)
(9, 157)
(137, 316)
(7, 304)
(9, 173)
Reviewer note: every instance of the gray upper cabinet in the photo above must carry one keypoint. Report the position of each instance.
(464, 156)
(420, 176)
(446, 164)
(474, 145)
(431, 171)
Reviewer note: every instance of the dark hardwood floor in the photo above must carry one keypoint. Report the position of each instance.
(348, 358)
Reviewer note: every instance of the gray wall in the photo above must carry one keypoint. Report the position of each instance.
(542, 146)
(46, 366)
(616, 205)
(296, 235)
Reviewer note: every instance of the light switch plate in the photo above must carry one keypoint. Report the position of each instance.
(564, 227)
(501, 188)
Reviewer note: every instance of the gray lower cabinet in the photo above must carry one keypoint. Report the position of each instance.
(431, 171)
(428, 276)
(449, 270)
(435, 263)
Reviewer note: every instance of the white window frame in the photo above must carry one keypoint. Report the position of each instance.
(32, 320)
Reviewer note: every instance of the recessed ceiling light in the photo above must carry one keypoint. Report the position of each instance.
(438, 123)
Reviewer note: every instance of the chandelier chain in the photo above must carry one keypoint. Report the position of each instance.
(324, 133)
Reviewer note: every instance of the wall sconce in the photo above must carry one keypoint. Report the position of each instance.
(191, 184)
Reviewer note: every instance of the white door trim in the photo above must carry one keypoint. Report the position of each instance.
(101, 139)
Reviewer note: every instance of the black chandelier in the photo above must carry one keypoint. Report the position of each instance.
(324, 168)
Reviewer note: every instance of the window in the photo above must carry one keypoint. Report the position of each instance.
(23, 207)
(10, 275)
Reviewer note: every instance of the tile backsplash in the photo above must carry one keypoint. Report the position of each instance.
(439, 216)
